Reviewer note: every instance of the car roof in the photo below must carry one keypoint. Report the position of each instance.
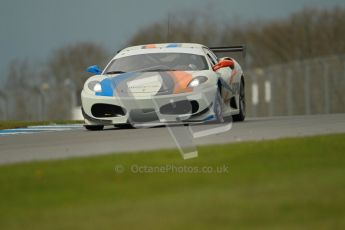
(192, 48)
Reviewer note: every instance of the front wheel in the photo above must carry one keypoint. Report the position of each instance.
(94, 127)
(124, 126)
(217, 108)
(242, 105)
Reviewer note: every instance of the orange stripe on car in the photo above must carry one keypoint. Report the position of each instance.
(181, 80)
(233, 73)
(226, 96)
(150, 46)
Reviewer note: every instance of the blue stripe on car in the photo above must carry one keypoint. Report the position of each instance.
(173, 45)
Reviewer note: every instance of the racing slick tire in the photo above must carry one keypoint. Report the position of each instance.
(242, 105)
(94, 127)
(124, 126)
(217, 109)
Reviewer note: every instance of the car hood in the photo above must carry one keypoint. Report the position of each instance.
(143, 84)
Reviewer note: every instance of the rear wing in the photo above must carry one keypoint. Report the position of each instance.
(229, 49)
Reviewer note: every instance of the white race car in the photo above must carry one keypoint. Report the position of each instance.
(168, 83)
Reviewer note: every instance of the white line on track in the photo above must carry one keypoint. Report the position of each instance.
(40, 128)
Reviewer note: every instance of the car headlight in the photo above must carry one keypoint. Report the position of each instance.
(95, 86)
(197, 81)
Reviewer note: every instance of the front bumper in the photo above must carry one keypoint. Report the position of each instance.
(185, 107)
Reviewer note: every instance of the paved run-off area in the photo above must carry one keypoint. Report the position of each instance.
(54, 144)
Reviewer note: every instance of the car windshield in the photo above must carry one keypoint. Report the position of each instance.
(157, 62)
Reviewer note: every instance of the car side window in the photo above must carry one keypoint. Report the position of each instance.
(211, 56)
(214, 56)
(210, 59)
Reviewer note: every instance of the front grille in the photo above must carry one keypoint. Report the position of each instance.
(106, 110)
(180, 107)
(143, 115)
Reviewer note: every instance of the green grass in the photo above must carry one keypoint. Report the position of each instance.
(23, 124)
(282, 184)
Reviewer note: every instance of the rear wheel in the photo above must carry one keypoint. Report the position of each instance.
(94, 127)
(242, 105)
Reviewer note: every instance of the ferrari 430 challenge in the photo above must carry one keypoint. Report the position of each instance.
(167, 83)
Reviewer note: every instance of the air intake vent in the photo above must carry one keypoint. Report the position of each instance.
(180, 107)
(106, 110)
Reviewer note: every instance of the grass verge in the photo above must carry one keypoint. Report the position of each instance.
(24, 124)
(296, 183)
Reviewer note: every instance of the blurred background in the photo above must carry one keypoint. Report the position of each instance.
(294, 64)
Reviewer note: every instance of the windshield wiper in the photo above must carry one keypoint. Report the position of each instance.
(115, 72)
(158, 70)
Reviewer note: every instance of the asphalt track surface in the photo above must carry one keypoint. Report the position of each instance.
(79, 142)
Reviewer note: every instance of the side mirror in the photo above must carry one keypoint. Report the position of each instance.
(223, 64)
(94, 69)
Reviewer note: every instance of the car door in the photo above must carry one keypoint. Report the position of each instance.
(224, 76)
